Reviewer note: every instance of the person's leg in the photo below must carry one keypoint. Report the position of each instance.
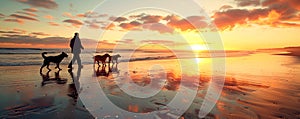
(79, 61)
(72, 61)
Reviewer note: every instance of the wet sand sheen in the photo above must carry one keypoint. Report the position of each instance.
(26, 95)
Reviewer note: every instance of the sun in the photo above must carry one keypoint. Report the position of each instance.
(198, 47)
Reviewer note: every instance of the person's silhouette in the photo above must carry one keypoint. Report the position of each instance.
(76, 47)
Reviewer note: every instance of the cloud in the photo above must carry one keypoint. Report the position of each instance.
(137, 16)
(110, 26)
(9, 32)
(230, 18)
(94, 24)
(31, 10)
(166, 42)
(46, 42)
(48, 4)
(75, 23)
(68, 14)
(2, 15)
(131, 25)
(15, 20)
(39, 34)
(91, 14)
(19, 30)
(225, 7)
(161, 28)
(53, 24)
(27, 13)
(23, 17)
(150, 18)
(13, 32)
(28, 41)
(125, 41)
(274, 13)
(189, 23)
(243, 3)
(170, 18)
(162, 24)
(118, 19)
(49, 17)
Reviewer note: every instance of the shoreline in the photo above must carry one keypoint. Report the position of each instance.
(25, 94)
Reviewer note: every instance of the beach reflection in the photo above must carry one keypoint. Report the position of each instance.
(256, 86)
(50, 80)
(102, 70)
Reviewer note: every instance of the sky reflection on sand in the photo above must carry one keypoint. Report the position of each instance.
(256, 89)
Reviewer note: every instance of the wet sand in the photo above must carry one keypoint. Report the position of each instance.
(26, 93)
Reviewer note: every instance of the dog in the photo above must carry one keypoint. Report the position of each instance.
(101, 58)
(55, 59)
(114, 58)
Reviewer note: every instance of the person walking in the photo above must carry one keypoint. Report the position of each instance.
(76, 46)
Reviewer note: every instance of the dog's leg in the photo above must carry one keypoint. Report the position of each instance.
(48, 67)
(57, 65)
(41, 69)
(104, 64)
(98, 63)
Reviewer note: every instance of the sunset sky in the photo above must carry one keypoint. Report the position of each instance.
(242, 24)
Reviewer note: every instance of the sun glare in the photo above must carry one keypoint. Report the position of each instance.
(198, 47)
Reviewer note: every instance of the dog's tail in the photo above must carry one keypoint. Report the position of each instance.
(43, 54)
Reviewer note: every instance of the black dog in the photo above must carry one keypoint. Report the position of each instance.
(55, 59)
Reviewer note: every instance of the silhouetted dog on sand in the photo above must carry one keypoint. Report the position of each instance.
(101, 58)
(114, 58)
(55, 59)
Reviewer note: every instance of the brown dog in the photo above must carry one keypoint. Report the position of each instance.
(101, 58)
(55, 59)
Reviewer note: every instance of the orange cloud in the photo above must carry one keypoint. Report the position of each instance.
(19, 30)
(31, 10)
(230, 18)
(161, 28)
(130, 26)
(23, 17)
(94, 26)
(38, 34)
(48, 4)
(225, 7)
(75, 23)
(69, 15)
(49, 17)
(189, 23)
(275, 13)
(247, 2)
(2, 15)
(53, 24)
(118, 19)
(150, 18)
(165, 42)
(27, 13)
(15, 20)
(91, 14)
(110, 26)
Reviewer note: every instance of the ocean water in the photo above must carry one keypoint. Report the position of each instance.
(29, 56)
(32, 56)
